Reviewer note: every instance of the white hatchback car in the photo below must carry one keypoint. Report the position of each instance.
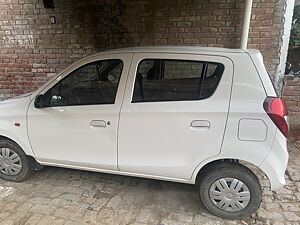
(182, 114)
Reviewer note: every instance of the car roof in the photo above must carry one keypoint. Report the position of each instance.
(172, 49)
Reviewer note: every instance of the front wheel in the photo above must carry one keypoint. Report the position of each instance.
(13, 161)
(230, 191)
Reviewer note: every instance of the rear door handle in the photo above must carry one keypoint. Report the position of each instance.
(98, 123)
(200, 124)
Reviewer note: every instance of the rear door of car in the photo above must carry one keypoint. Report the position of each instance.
(174, 113)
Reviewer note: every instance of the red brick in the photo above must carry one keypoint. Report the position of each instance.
(177, 18)
(175, 41)
(291, 103)
(201, 35)
(267, 22)
(191, 29)
(227, 6)
(216, 23)
(221, 11)
(187, 13)
(191, 41)
(170, 35)
(269, 10)
(264, 34)
(236, 11)
(208, 40)
(186, 35)
(225, 17)
(183, 24)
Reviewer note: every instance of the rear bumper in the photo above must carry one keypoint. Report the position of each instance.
(274, 166)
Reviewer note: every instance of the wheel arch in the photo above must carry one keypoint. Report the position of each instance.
(205, 166)
(9, 139)
(25, 147)
(33, 164)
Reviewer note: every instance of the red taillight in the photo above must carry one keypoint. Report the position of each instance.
(277, 110)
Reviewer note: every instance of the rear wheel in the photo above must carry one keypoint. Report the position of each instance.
(230, 191)
(13, 161)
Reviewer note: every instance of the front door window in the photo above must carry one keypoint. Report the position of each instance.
(93, 83)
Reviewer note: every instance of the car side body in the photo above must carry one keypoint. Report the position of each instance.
(165, 140)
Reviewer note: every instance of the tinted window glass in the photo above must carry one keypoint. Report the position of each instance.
(94, 83)
(175, 80)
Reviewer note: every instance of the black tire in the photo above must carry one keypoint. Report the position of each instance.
(25, 170)
(230, 170)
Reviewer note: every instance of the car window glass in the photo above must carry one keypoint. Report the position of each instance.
(175, 80)
(93, 83)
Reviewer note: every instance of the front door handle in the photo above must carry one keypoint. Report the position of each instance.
(98, 123)
(200, 124)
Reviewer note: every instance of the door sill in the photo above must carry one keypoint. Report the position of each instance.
(117, 172)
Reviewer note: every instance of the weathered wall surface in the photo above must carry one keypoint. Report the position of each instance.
(291, 92)
(34, 49)
(291, 95)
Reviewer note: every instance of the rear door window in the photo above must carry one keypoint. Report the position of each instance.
(176, 80)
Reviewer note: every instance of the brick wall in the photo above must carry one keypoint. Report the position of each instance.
(291, 95)
(33, 49)
(291, 92)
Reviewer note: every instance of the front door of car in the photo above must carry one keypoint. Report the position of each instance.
(77, 122)
(174, 113)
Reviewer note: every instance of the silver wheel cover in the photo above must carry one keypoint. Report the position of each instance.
(229, 194)
(10, 162)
